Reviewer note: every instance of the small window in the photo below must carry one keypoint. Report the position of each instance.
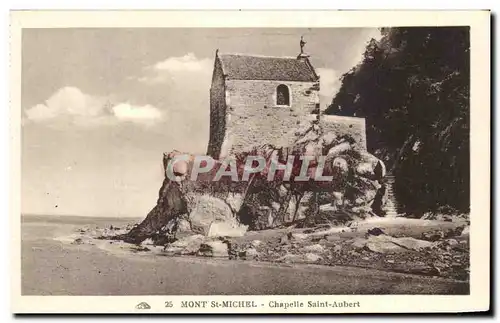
(282, 95)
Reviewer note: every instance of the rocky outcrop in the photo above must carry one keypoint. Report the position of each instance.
(215, 206)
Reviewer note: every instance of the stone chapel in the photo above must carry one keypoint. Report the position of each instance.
(256, 100)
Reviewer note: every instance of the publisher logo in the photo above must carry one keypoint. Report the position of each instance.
(143, 306)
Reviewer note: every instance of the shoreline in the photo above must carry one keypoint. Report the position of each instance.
(63, 235)
(50, 267)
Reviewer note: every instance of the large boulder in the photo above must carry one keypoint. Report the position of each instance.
(212, 216)
(186, 246)
(387, 244)
(214, 248)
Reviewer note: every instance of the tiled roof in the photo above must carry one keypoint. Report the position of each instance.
(247, 67)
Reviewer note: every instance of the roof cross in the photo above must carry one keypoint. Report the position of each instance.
(302, 43)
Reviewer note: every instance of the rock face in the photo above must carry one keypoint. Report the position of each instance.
(187, 207)
(355, 188)
(163, 217)
(341, 184)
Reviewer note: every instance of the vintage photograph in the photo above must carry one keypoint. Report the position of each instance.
(245, 161)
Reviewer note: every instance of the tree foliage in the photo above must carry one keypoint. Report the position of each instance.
(412, 87)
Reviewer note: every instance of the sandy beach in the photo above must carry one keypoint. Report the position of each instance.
(52, 265)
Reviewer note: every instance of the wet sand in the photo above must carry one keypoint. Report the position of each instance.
(51, 266)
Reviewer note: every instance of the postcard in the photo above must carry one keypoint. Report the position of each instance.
(250, 161)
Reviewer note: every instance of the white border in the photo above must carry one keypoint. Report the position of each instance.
(480, 134)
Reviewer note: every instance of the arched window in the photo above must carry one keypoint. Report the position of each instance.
(282, 95)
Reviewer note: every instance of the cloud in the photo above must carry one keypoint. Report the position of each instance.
(66, 101)
(40, 112)
(125, 111)
(329, 83)
(83, 109)
(180, 85)
(188, 62)
(172, 68)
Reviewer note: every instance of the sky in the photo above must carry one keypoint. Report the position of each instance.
(100, 106)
